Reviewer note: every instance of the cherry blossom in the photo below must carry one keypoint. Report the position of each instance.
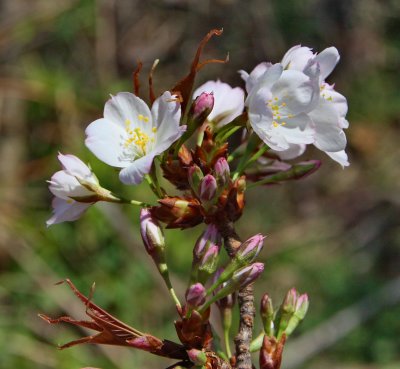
(130, 136)
(73, 182)
(278, 104)
(329, 117)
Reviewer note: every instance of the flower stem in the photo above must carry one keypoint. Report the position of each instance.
(152, 180)
(247, 156)
(163, 269)
(227, 346)
(257, 342)
(226, 316)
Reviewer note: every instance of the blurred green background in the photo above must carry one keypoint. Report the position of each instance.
(335, 235)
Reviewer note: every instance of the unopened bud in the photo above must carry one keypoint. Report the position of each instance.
(289, 303)
(209, 262)
(248, 274)
(202, 105)
(195, 175)
(152, 235)
(222, 172)
(249, 249)
(240, 279)
(195, 295)
(291, 312)
(208, 238)
(301, 308)
(267, 315)
(208, 188)
(302, 305)
(197, 357)
(296, 171)
(178, 212)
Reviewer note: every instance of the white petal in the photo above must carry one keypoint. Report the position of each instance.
(105, 140)
(166, 109)
(126, 106)
(271, 75)
(134, 174)
(294, 151)
(299, 92)
(343, 123)
(338, 100)
(64, 211)
(166, 112)
(329, 136)
(165, 142)
(255, 74)
(340, 157)
(327, 60)
(259, 112)
(297, 57)
(65, 186)
(228, 101)
(297, 130)
(74, 166)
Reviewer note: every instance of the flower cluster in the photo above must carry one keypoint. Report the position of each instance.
(185, 137)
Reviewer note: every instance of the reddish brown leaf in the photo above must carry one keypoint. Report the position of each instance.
(114, 332)
(185, 86)
(136, 82)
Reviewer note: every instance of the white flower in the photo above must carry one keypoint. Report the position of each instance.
(329, 117)
(279, 102)
(130, 135)
(67, 186)
(228, 101)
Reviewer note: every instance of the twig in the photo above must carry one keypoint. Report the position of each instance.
(245, 300)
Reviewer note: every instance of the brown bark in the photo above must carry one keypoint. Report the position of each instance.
(245, 300)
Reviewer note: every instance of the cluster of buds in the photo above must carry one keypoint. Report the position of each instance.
(278, 326)
(210, 193)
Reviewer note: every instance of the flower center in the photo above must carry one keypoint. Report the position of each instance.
(139, 141)
(277, 114)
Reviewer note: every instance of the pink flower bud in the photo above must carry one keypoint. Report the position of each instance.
(195, 295)
(208, 188)
(222, 172)
(208, 238)
(248, 274)
(195, 175)
(289, 304)
(291, 312)
(267, 314)
(151, 232)
(203, 104)
(240, 278)
(249, 249)
(302, 304)
(209, 261)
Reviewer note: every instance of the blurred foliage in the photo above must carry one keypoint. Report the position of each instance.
(335, 235)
